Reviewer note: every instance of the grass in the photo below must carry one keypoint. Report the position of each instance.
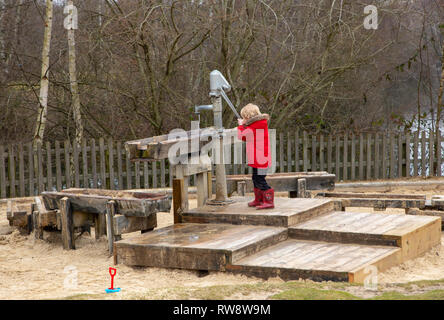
(296, 290)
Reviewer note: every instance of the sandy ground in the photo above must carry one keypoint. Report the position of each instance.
(41, 269)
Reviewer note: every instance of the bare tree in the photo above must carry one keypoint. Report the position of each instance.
(44, 80)
(72, 25)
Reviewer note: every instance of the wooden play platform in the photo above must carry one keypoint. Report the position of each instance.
(300, 238)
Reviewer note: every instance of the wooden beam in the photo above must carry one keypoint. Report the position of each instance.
(122, 224)
(110, 212)
(178, 199)
(67, 224)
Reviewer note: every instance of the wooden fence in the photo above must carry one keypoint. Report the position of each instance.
(384, 155)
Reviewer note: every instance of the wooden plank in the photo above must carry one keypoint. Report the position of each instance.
(337, 160)
(302, 188)
(162, 173)
(289, 161)
(94, 163)
(287, 212)
(11, 165)
(305, 151)
(318, 261)
(400, 155)
(110, 213)
(438, 153)
(178, 199)
(137, 169)
(321, 154)
(154, 172)
(103, 183)
(67, 224)
(361, 156)
(392, 155)
(382, 203)
(281, 152)
(146, 180)
(296, 151)
(30, 168)
(176, 246)
(408, 154)
(85, 164)
(416, 154)
(371, 195)
(384, 156)
(423, 154)
(41, 186)
(129, 172)
(75, 151)
(58, 162)
(345, 159)
(67, 164)
(111, 164)
(431, 155)
(314, 162)
(119, 165)
(353, 157)
(329, 154)
(49, 182)
(376, 166)
(21, 171)
(369, 156)
(2, 173)
(123, 224)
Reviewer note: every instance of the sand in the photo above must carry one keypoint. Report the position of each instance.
(40, 269)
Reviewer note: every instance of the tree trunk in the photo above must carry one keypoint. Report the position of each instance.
(73, 80)
(44, 80)
(2, 34)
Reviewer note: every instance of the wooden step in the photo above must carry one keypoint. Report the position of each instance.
(318, 261)
(413, 234)
(287, 212)
(196, 246)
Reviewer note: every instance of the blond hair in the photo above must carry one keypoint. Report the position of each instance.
(249, 111)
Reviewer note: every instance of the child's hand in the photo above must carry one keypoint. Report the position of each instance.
(240, 121)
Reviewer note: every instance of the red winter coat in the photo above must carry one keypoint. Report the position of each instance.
(255, 133)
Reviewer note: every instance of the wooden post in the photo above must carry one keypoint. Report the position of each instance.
(345, 158)
(110, 212)
(241, 188)
(210, 184)
(93, 163)
(369, 156)
(438, 153)
(353, 157)
(99, 226)
(361, 157)
(407, 154)
(178, 199)
(302, 187)
(201, 186)
(67, 224)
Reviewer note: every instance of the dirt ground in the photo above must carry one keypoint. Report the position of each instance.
(41, 269)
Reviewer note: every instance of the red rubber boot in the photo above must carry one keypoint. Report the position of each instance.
(268, 198)
(257, 198)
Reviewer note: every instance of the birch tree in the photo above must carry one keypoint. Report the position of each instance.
(44, 80)
(71, 25)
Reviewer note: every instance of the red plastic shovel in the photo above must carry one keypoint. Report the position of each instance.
(112, 272)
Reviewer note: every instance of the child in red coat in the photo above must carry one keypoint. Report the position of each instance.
(253, 129)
